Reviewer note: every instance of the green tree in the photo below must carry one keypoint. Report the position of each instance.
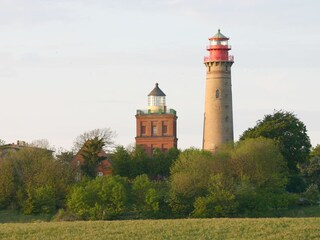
(160, 163)
(30, 170)
(99, 199)
(7, 185)
(220, 200)
(121, 162)
(312, 194)
(139, 162)
(291, 136)
(146, 197)
(40, 200)
(260, 162)
(92, 159)
(65, 157)
(189, 179)
(315, 151)
(311, 170)
(252, 166)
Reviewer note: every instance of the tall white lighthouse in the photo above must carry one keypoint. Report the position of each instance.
(218, 117)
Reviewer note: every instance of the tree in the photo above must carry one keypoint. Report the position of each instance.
(65, 156)
(252, 166)
(191, 172)
(311, 171)
(7, 186)
(260, 162)
(288, 131)
(292, 138)
(121, 162)
(315, 151)
(160, 163)
(2, 142)
(139, 162)
(104, 134)
(189, 179)
(41, 143)
(220, 200)
(99, 199)
(39, 184)
(146, 197)
(134, 162)
(90, 153)
(260, 175)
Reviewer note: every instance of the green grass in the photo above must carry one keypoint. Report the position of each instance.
(281, 228)
(301, 225)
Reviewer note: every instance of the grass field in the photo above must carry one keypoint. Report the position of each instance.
(281, 228)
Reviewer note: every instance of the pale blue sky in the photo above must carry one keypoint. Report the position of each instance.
(68, 66)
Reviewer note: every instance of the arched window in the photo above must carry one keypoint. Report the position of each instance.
(217, 93)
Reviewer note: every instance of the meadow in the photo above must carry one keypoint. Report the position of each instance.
(263, 228)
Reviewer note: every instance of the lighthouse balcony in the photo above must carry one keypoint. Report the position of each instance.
(230, 58)
(218, 47)
(161, 111)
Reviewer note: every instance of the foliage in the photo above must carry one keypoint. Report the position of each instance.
(40, 200)
(289, 132)
(63, 215)
(160, 163)
(254, 167)
(315, 152)
(65, 157)
(220, 200)
(99, 199)
(146, 197)
(312, 194)
(121, 162)
(34, 181)
(191, 172)
(106, 135)
(7, 186)
(135, 162)
(139, 162)
(311, 170)
(260, 162)
(90, 153)
(189, 179)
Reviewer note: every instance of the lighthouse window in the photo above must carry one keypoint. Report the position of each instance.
(143, 130)
(164, 129)
(154, 130)
(217, 93)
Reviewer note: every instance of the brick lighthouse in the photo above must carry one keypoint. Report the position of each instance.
(218, 119)
(157, 126)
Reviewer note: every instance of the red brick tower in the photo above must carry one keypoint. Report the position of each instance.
(156, 126)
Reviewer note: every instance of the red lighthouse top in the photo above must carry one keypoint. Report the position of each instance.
(218, 48)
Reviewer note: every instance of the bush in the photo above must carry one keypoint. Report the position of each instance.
(219, 202)
(311, 195)
(99, 199)
(40, 200)
(63, 215)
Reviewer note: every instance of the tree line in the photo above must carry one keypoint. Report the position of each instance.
(271, 168)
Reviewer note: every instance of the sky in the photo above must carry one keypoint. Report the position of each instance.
(70, 66)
